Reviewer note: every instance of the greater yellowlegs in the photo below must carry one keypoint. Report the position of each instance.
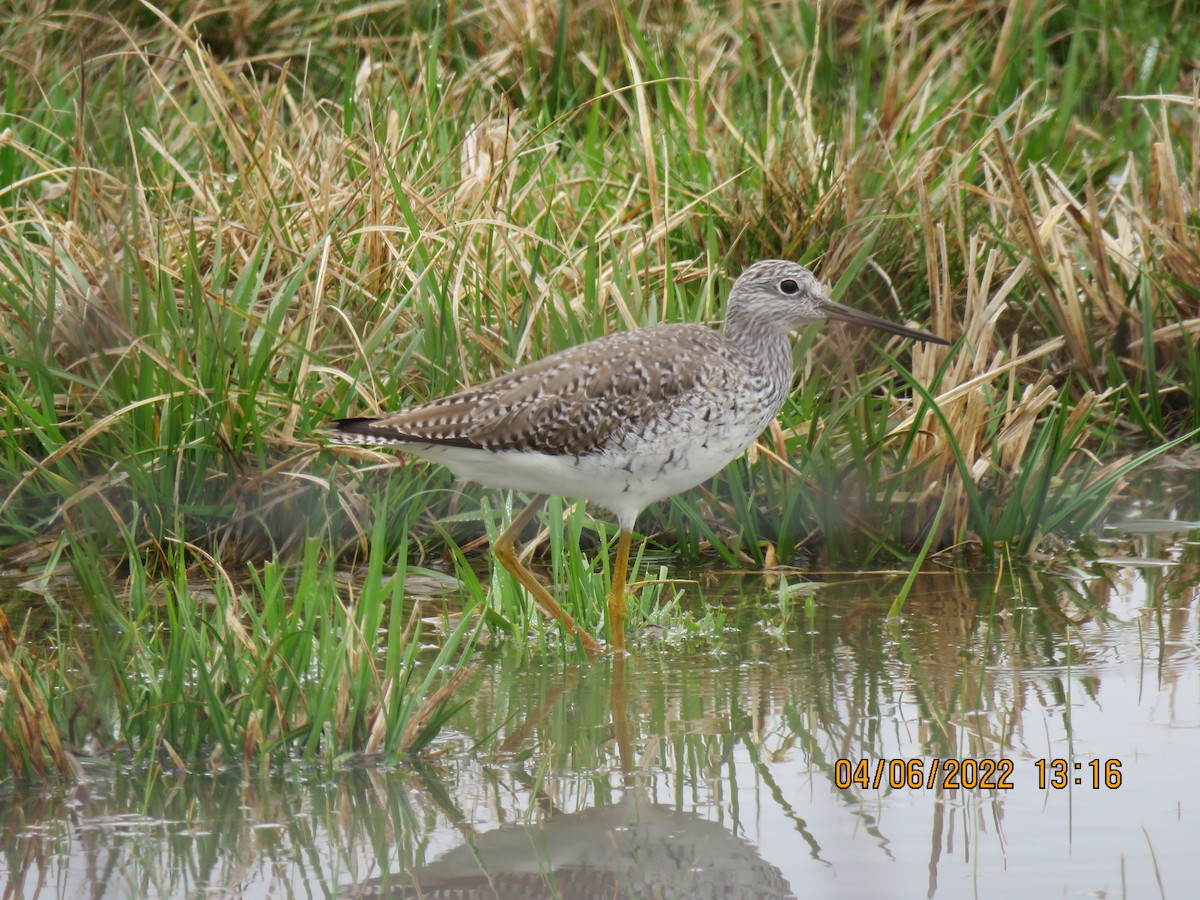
(624, 420)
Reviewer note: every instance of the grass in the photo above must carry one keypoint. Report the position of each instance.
(219, 230)
(200, 669)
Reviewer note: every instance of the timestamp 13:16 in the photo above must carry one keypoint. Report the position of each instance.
(1060, 773)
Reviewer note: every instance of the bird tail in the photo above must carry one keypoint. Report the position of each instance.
(356, 430)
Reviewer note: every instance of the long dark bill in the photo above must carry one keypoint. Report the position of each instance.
(840, 313)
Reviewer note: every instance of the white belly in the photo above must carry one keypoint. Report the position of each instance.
(624, 478)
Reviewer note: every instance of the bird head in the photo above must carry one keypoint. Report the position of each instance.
(787, 296)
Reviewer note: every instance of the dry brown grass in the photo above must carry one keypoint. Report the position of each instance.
(447, 231)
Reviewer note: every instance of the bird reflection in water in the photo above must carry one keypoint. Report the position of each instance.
(633, 848)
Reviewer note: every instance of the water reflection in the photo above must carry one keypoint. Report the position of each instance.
(632, 848)
(711, 768)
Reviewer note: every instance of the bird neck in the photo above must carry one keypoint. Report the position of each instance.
(764, 340)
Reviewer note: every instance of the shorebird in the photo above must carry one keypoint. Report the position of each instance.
(624, 420)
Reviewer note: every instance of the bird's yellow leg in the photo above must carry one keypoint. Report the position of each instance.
(618, 707)
(506, 554)
(616, 596)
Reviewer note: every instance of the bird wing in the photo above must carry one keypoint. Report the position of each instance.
(573, 401)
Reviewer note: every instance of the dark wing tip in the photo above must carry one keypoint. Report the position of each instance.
(353, 425)
(367, 430)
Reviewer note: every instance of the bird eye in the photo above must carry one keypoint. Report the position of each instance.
(789, 287)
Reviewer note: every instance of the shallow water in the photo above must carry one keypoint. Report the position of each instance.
(743, 764)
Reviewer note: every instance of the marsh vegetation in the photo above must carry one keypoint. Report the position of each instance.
(221, 227)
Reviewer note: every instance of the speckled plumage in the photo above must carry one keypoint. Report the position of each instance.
(608, 421)
(632, 417)
(623, 420)
(574, 401)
